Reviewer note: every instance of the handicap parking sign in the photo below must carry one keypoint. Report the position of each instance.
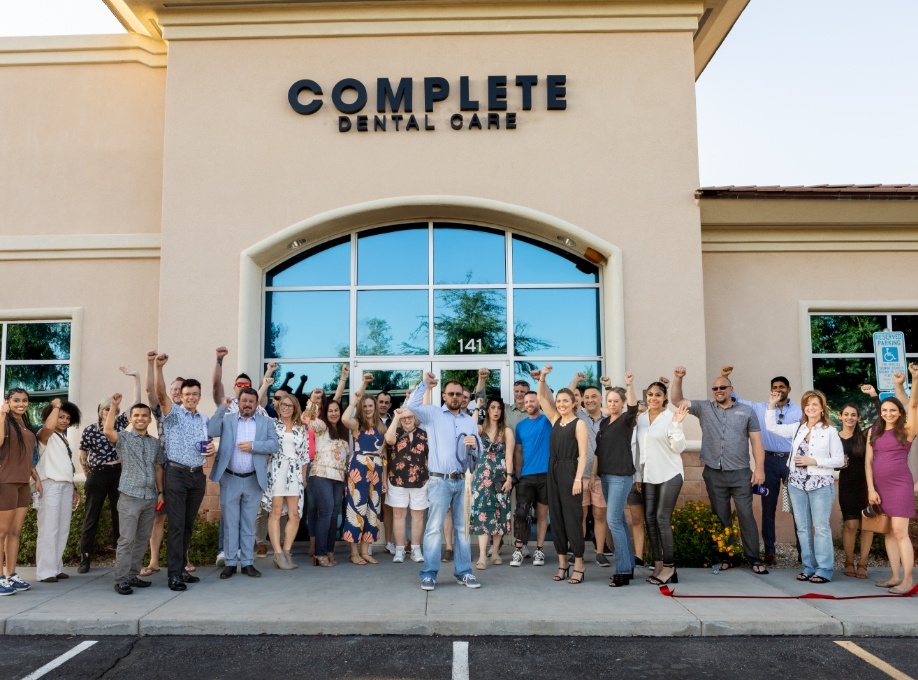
(889, 352)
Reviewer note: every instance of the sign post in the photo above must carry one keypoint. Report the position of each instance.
(889, 352)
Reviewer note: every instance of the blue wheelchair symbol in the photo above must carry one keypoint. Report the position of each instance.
(891, 355)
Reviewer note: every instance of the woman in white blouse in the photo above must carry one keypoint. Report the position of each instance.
(660, 442)
(815, 453)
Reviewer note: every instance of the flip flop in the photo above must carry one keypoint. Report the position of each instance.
(761, 570)
(724, 565)
(149, 571)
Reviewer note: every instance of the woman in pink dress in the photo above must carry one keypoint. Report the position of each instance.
(890, 483)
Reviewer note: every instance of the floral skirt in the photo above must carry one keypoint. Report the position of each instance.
(490, 507)
(364, 487)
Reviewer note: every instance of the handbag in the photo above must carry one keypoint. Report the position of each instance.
(878, 523)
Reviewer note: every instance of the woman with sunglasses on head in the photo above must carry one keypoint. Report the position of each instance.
(17, 443)
(661, 442)
(59, 497)
(816, 450)
(286, 480)
(326, 485)
(889, 481)
(366, 478)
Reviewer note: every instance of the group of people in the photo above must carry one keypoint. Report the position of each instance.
(583, 447)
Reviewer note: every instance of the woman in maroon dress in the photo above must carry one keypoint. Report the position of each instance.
(890, 483)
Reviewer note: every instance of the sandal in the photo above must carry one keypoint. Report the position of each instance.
(482, 563)
(619, 580)
(724, 565)
(149, 571)
(802, 577)
(357, 559)
(563, 573)
(887, 584)
(574, 581)
(819, 579)
(496, 560)
(759, 569)
(369, 559)
(899, 590)
(849, 569)
(862, 571)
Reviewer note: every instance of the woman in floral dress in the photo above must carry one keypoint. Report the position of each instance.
(286, 479)
(365, 475)
(491, 485)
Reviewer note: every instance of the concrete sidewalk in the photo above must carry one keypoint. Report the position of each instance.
(387, 599)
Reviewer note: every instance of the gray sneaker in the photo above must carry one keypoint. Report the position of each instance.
(428, 583)
(602, 560)
(468, 580)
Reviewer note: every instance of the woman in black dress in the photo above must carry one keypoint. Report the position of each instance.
(852, 489)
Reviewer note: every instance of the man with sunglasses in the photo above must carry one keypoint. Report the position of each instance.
(727, 429)
(776, 452)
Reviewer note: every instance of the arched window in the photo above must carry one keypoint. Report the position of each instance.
(424, 293)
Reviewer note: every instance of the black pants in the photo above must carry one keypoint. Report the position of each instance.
(184, 493)
(531, 491)
(659, 502)
(565, 508)
(101, 483)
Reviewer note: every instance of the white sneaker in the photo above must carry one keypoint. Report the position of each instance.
(517, 559)
(538, 558)
(221, 559)
(399, 555)
(417, 555)
(390, 548)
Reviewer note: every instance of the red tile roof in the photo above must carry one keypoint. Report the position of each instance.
(855, 192)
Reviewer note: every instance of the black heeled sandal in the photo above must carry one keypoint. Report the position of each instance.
(563, 574)
(578, 581)
(619, 580)
(661, 582)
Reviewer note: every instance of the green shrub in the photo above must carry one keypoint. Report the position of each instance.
(700, 539)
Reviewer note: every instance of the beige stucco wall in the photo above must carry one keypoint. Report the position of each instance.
(620, 163)
(81, 151)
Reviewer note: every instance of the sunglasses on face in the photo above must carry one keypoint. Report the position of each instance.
(242, 383)
(720, 388)
(453, 394)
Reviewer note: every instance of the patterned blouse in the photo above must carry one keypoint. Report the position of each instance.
(799, 478)
(99, 450)
(407, 459)
(331, 456)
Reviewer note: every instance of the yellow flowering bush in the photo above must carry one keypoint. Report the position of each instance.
(700, 538)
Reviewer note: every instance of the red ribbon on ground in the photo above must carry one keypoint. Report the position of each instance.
(668, 592)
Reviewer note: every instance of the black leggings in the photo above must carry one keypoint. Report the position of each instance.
(659, 502)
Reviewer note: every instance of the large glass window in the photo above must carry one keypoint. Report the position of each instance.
(431, 290)
(843, 358)
(35, 355)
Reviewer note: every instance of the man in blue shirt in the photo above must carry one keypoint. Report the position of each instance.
(187, 449)
(532, 435)
(776, 452)
(449, 432)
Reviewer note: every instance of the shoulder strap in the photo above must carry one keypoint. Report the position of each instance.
(69, 452)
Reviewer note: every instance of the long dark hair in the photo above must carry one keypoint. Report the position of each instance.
(14, 422)
(879, 427)
(501, 422)
(335, 430)
(859, 438)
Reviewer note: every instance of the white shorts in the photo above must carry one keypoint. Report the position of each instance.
(400, 497)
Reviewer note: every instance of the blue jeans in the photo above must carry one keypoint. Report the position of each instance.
(811, 514)
(616, 488)
(324, 499)
(443, 494)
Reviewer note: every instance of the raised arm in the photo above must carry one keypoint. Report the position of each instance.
(391, 437)
(899, 387)
(546, 403)
(629, 390)
(342, 381)
(218, 391)
(350, 415)
(578, 378)
(676, 392)
(50, 424)
(913, 403)
(135, 377)
(266, 383)
(162, 397)
(151, 379)
(108, 427)
(479, 391)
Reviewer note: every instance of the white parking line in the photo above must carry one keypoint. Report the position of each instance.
(460, 661)
(62, 659)
(874, 661)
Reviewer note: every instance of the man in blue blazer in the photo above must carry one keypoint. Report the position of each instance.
(241, 468)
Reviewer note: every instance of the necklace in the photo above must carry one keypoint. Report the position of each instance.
(563, 424)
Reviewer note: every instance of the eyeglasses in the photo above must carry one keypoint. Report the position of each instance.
(453, 394)
(720, 388)
(242, 383)
(286, 405)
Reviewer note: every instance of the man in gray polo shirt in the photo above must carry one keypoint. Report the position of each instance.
(727, 429)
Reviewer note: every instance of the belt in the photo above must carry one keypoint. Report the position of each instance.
(451, 475)
(179, 466)
(243, 475)
(116, 467)
(777, 454)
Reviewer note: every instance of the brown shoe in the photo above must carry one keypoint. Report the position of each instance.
(261, 550)
(770, 559)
